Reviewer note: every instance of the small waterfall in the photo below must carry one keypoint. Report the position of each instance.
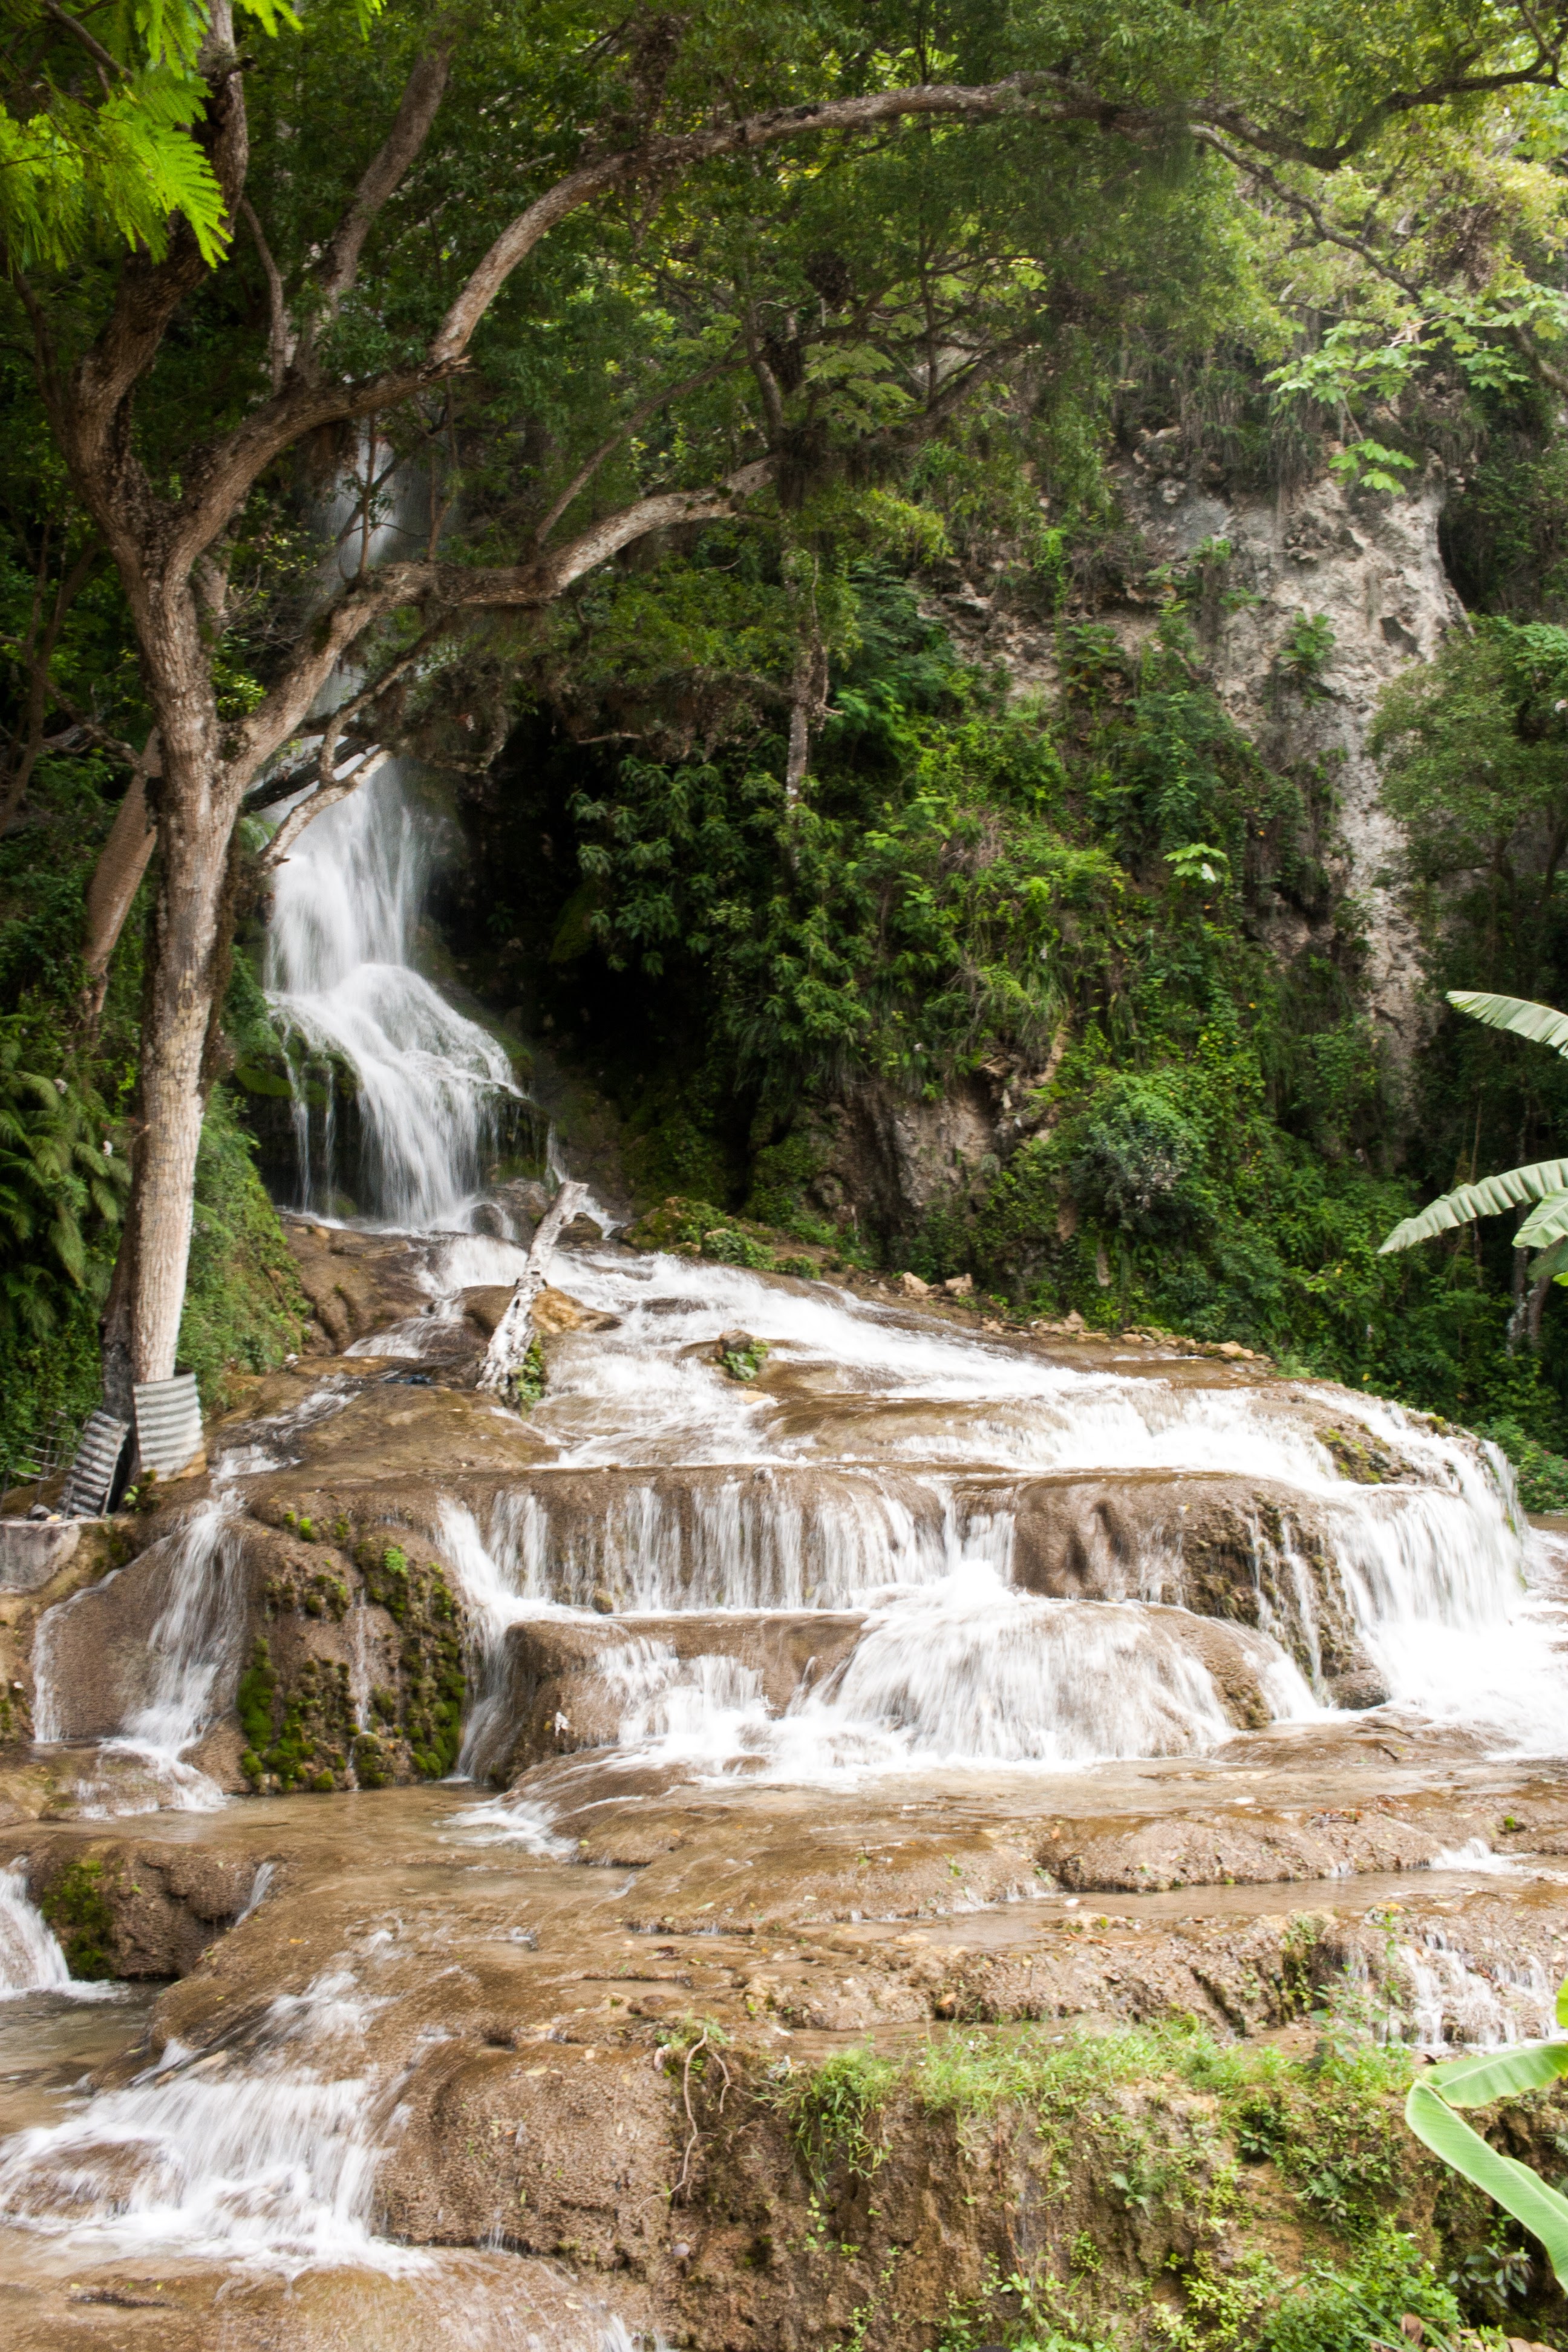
(30, 1959)
(264, 2154)
(171, 1694)
(966, 1672)
(431, 1090)
(1450, 2003)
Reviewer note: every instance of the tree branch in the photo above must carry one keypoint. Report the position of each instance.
(333, 788)
(149, 292)
(454, 587)
(1253, 169)
(280, 331)
(417, 110)
(634, 422)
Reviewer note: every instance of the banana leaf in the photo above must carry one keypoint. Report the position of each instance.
(1487, 1199)
(1490, 2074)
(1513, 2186)
(1547, 1221)
(1539, 1023)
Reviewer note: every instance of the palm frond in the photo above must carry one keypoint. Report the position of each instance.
(1487, 1199)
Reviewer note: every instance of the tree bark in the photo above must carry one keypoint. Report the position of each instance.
(508, 1342)
(196, 801)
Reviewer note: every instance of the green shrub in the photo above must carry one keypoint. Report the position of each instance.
(1136, 1162)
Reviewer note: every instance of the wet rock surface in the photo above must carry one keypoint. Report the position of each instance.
(938, 1703)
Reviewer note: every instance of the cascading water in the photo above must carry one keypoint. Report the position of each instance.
(272, 2160)
(431, 1090)
(30, 1958)
(169, 1694)
(887, 1471)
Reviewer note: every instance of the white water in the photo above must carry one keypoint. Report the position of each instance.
(884, 1466)
(886, 1471)
(267, 2155)
(192, 1653)
(30, 1958)
(339, 972)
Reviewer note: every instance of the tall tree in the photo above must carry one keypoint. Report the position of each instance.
(392, 282)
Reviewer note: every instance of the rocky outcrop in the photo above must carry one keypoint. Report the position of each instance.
(326, 1656)
(357, 1283)
(1369, 568)
(124, 1909)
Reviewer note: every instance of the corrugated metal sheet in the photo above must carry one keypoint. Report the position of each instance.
(91, 1478)
(168, 1424)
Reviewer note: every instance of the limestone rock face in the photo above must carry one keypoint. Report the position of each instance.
(356, 1282)
(1371, 566)
(1236, 1549)
(123, 1910)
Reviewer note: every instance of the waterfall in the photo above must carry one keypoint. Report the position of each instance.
(430, 1089)
(168, 1690)
(30, 1959)
(267, 2153)
(887, 1464)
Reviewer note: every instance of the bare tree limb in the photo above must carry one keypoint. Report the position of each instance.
(117, 877)
(279, 328)
(327, 795)
(95, 50)
(767, 382)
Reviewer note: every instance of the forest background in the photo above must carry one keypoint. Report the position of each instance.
(751, 822)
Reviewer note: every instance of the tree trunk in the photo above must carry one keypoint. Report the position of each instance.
(195, 803)
(508, 1342)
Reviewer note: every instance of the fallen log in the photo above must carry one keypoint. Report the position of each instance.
(510, 1341)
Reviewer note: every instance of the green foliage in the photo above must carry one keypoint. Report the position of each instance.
(244, 1306)
(79, 1911)
(1133, 1160)
(62, 1184)
(1361, 2303)
(1543, 1475)
(98, 129)
(528, 1383)
(427, 1706)
(744, 1362)
(1478, 2082)
(1115, 2112)
(1368, 465)
(834, 2112)
(1306, 652)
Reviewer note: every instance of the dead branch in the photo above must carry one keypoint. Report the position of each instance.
(510, 1341)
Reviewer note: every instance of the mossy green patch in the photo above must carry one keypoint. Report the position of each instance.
(432, 1685)
(77, 1910)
